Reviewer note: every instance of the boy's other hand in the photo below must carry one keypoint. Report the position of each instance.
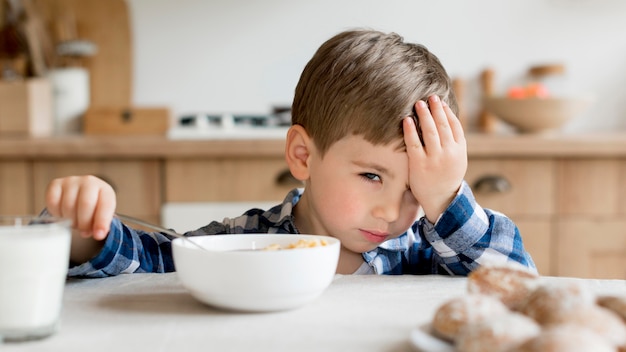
(437, 169)
(87, 200)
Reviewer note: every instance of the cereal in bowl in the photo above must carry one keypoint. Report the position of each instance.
(302, 243)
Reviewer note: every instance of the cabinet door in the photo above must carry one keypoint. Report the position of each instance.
(228, 180)
(513, 186)
(522, 189)
(591, 248)
(136, 182)
(592, 187)
(15, 188)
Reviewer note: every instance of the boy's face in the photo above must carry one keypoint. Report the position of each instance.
(359, 194)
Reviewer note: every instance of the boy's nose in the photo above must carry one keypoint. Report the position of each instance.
(387, 209)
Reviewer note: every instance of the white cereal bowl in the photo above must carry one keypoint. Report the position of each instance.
(232, 275)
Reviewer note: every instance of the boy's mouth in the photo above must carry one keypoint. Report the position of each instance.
(375, 236)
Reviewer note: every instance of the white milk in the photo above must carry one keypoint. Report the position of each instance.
(33, 267)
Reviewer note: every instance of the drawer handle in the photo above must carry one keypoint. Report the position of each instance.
(285, 178)
(492, 184)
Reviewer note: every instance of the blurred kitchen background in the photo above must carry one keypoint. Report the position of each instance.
(245, 57)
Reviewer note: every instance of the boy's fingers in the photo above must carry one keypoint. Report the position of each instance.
(429, 130)
(67, 204)
(455, 124)
(411, 137)
(53, 198)
(86, 202)
(103, 214)
(440, 118)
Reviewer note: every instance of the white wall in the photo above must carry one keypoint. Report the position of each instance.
(246, 55)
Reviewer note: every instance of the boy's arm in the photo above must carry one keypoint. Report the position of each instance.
(126, 250)
(466, 236)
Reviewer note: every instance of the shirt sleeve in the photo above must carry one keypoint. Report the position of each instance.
(127, 250)
(466, 236)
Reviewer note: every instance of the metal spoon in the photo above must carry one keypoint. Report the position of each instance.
(127, 218)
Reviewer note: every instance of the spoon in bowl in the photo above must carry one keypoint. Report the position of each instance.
(133, 220)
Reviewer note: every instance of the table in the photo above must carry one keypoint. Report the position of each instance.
(153, 312)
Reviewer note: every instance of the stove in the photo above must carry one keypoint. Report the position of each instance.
(230, 126)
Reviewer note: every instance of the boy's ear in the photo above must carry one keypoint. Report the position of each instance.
(297, 152)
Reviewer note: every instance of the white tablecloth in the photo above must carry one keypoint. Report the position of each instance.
(153, 312)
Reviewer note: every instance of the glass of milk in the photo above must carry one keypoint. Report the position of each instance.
(34, 258)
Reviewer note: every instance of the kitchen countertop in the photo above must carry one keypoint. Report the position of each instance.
(479, 145)
(153, 312)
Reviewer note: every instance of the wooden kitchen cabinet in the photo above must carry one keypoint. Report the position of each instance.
(591, 231)
(228, 179)
(522, 189)
(15, 188)
(567, 194)
(568, 200)
(592, 187)
(528, 185)
(591, 247)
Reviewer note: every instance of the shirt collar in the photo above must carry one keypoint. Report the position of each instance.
(398, 244)
(282, 214)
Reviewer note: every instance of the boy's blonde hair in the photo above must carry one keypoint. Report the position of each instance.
(364, 82)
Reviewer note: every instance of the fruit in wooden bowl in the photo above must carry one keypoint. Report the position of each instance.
(534, 114)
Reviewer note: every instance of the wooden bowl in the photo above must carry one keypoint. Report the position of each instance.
(533, 115)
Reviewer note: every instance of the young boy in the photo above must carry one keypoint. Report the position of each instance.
(367, 168)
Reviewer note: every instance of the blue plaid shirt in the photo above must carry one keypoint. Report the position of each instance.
(464, 237)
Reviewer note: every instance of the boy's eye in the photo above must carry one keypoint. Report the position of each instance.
(370, 176)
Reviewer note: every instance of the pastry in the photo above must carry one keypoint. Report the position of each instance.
(497, 334)
(600, 320)
(565, 338)
(508, 282)
(510, 309)
(615, 303)
(461, 311)
(549, 302)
